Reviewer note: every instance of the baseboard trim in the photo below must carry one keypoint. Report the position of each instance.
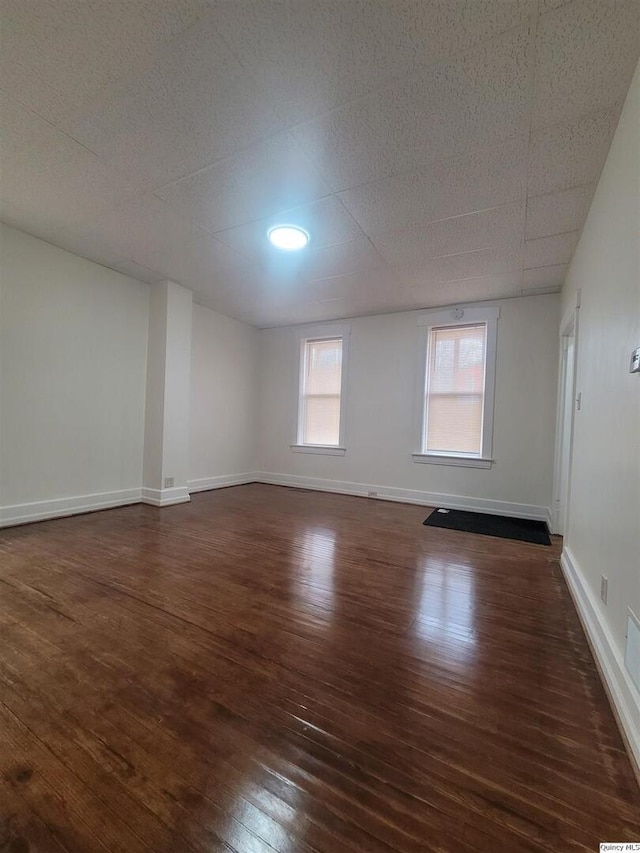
(13, 515)
(165, 497)
(410, 496)
(623, 696)
(549, 519)
(60, 507)
(204, 484)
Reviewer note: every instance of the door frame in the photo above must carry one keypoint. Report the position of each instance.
(566, 386)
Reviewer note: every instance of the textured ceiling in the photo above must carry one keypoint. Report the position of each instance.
(438, 151)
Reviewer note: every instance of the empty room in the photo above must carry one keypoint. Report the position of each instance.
(319, 426)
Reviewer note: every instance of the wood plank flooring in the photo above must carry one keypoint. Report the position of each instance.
(267, 669)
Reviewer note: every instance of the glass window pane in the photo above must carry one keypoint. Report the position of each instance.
(455, 389)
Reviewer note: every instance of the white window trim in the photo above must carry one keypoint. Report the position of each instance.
(452, 459)
(319, 449)
(326, 331)
(458, 317)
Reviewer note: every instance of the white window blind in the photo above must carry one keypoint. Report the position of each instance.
(321, 387)
(455, 388)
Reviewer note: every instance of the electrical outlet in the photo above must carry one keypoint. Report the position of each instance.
(604, 588)
(168, 482)
(372, 494)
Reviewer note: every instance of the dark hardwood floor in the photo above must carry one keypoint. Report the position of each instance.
(268, 669)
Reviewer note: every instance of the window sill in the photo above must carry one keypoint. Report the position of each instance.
(320, 449)
(450, 459)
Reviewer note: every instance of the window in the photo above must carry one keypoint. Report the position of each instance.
(321, 382)
(456, 397)
(320, 425)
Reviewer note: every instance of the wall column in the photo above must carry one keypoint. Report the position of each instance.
(166, 433)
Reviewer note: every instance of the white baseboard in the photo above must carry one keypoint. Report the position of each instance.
(411, 496)
(165, 497)
(58, 507)
(203, 484)
(549, 519)
(624, 697)
(38, 511)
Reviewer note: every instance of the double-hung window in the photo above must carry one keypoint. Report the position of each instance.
(321, 410)
(457, 380)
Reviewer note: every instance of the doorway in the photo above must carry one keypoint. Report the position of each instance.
(564, 437)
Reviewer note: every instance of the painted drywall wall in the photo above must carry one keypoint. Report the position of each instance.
(603, 534)
(73, 355)
(177, 394)
(166, 445)
(223, 410)
(381, 401)
(154, 402)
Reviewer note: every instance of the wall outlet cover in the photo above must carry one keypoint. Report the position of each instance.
(168, 482)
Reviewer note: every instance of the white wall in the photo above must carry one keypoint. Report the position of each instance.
(73, 353)
(74, 383)
(74, 359)
(381, 412)
(154, 403)
(223, 411)
(603, 535)
(166, 443)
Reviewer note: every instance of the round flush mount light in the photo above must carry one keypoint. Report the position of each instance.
(288, 237)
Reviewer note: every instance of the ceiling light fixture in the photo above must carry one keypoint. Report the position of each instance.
(288, 237)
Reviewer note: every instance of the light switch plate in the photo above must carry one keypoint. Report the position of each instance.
(634, 367)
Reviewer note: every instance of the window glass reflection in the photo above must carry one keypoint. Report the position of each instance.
(446, 609)
(314, 582)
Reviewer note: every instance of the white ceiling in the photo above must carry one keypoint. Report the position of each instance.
(438, 151)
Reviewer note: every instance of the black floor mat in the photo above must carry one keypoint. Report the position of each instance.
(523, 529)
